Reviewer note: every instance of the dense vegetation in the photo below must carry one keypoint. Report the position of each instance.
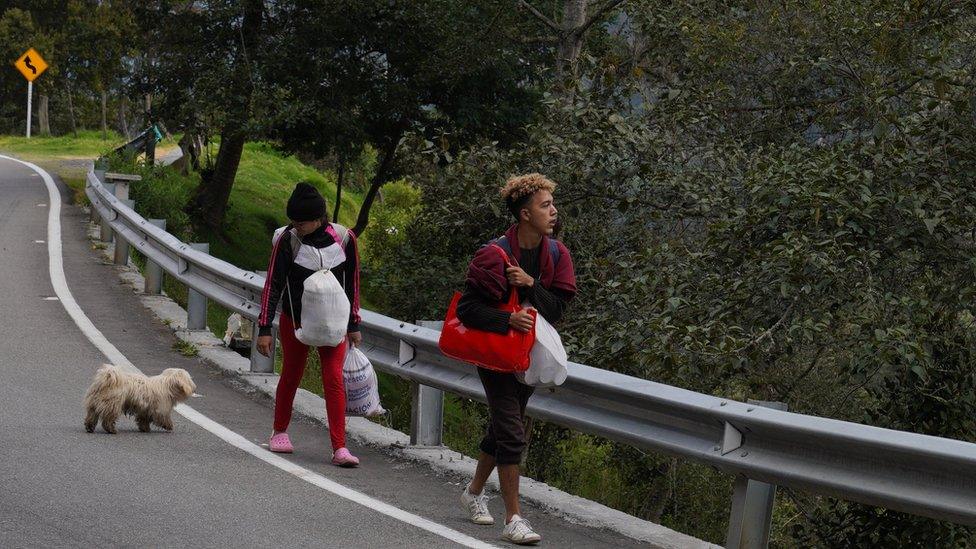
(763, 200)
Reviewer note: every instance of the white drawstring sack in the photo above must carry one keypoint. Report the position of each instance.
(547, 358)
(361, 384)
(325, 311)
(325, 307)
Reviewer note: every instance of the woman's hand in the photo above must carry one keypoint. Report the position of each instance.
(355, 338)
(265, 345)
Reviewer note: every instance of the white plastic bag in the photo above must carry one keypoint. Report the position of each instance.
(362, 389)
(547, 359)
(325, 311)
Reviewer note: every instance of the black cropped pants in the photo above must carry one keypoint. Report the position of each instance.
(506, 437)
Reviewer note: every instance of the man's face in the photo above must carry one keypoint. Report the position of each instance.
(306, 227)
(540, 212)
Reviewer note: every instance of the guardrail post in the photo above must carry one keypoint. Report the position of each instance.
(426, 404)
(196, 303)
(121, 246)
(261, 364)
(752, 506)
(92, 212)
(154, 273)
(106, 235)
(121, 189)
(150, 148)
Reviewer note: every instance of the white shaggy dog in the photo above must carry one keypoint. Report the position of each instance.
(149, 399)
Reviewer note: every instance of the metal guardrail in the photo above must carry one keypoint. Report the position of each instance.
(917, 474)
(145, 141)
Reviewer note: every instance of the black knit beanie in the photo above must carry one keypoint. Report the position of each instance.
(305, 204)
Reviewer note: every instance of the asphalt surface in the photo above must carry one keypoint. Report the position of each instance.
(63, 487)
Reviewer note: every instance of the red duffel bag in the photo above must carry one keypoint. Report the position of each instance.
(502, 352)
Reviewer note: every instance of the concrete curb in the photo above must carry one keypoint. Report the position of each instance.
(442, 459)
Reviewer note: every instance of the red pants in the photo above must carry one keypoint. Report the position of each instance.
(294, 355)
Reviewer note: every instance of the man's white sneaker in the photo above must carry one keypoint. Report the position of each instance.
(477, 507)
(520, 532)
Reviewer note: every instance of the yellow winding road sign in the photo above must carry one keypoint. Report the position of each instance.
(31, 64)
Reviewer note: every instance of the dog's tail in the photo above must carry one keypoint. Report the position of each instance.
(105, 378)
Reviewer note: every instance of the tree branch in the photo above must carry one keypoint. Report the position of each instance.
(761, 336)
(541, 17)
(796, 381)
(532, 39)
(596, 16)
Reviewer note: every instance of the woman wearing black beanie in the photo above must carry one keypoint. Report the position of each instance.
(300, 249)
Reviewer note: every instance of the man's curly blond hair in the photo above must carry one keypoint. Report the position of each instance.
(518, 188)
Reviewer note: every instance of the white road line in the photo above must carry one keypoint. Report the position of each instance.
(58, 280)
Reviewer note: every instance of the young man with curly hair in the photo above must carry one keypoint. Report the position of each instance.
(541, 270)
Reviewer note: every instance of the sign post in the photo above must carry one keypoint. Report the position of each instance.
(31, 65)
(30, 93)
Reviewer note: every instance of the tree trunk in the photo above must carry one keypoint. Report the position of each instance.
(193, 146)
(123, 123)
(71, 111)
(339, 180)
(569, 34)
(199, 146)
(209, 204)
(379, 179)
(151, 149)
(660, 492)
(186, 144)
(571, 41)
(104, 115)
(43, 121)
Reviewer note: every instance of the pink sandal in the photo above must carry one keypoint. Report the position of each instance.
(281, 444)
(343, 458)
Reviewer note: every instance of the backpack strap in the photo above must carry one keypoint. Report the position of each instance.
(554, 252)
(343, 233)
(502, 243)
(295, 241)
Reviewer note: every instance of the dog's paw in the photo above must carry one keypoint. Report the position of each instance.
(90, 428)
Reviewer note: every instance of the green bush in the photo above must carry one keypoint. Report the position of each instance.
(387, 231)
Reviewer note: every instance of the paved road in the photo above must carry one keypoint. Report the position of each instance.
(63, 487)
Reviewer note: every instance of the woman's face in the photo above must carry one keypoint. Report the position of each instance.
(306, 227)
